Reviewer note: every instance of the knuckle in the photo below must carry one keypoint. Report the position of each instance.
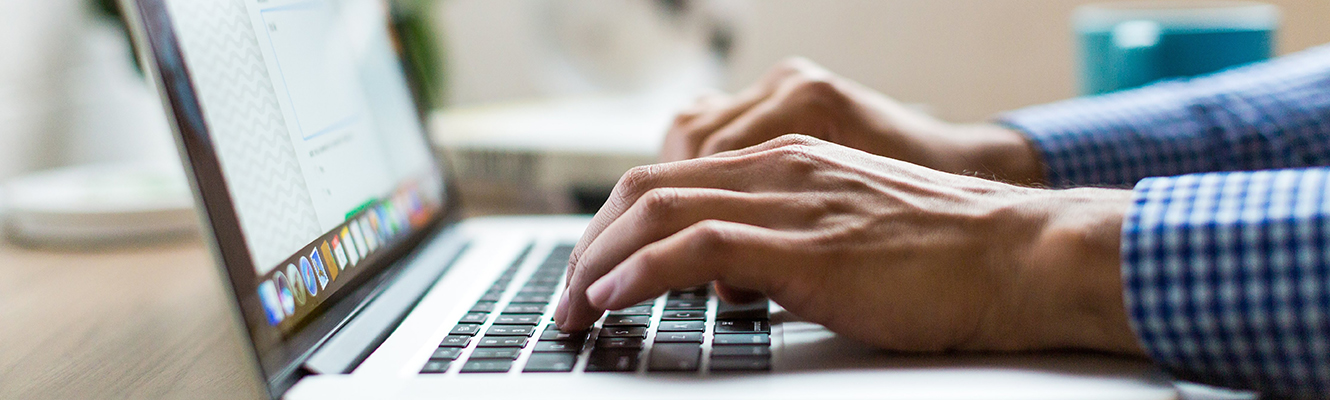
(797, 139)
(638, 179)
(659, 203)
(710, 237)
(800, 159)
(815, 90)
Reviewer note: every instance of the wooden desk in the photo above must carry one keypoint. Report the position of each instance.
(138, 323)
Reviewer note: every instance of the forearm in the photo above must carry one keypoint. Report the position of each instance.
(1270, 115)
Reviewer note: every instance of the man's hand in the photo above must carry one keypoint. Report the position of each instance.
(797, 96)
(883, 251)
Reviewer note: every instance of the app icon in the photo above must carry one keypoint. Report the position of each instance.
(272, 307)
(367, 226)
(309, 276)
(284, 295)
(359, 237)
(329, 261)
(339, 252)
(319, 269)
(394, 216)
(377, 225)
(349, 246)
(297, 282)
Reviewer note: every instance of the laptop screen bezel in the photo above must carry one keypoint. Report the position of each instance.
(278, 357)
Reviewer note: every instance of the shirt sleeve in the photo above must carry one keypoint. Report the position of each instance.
(1226, 278)
(1265, 116)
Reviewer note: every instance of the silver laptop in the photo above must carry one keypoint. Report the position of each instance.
(338, 234)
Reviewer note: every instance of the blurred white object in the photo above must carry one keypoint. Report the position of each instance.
(545, 149)
(500, 50)
(110, 113)
(69, 92)
(36, 39)
(99, 205)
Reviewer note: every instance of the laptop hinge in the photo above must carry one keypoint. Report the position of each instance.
(364, 332)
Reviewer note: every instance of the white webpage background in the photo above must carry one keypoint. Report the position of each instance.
(246, 124)
(311, 51)
(308, 109)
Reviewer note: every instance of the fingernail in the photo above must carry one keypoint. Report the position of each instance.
(561, 311)
(599, 293)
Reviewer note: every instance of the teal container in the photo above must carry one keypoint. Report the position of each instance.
(1131, 44)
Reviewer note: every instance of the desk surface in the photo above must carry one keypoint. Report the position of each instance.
(139, 323)
(126, 323)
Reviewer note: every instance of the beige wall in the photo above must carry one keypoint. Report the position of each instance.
(966, 59)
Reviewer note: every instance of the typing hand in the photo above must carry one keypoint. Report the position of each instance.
(799, 96)
(883, 251)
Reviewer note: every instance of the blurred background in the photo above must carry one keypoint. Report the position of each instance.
(545, 102)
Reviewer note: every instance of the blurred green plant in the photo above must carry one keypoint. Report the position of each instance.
(413, 22)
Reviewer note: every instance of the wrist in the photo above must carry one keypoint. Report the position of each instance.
(999, 153)
(1071, 274)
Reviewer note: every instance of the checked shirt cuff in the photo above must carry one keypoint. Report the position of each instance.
(1226, 281)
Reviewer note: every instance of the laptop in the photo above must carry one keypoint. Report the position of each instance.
(338, 235)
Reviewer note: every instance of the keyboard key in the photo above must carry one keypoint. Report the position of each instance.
(532, 298)
(624, 332)
(751, 311)
(612, 361)
(545, 280)
(455, 341)
(510, 330)
(682, 304)
(743, 326)
(445, 353)
(650, 302)
(502, 341)
(684, 315)
(626, 321)
(517, 319)
(490, 366)
(634, 310)
(699, 290)
(740, 351)
(678, 337)
(537, 290)
(739, 364)
(499, 353)
(474, 318)
(483, 307)
(558, 347)
(619, 343)
(551, 362)
(492, 296)
(538, 309)
(741, 339)
(681, 326)
(465, 329)
(552, 332)
(688, 296)
(436, 367)
(675, 357)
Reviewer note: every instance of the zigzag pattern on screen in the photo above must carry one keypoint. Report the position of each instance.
(250, 133)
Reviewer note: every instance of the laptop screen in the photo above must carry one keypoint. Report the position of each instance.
(318, 140)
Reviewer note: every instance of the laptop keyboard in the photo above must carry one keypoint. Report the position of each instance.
(685, 331)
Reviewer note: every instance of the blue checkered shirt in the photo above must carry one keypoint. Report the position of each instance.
(1226, 249)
